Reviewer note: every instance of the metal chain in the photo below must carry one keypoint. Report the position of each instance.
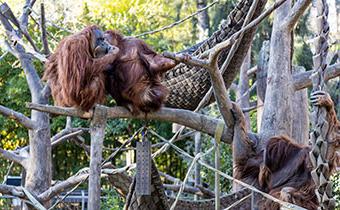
(320, 133)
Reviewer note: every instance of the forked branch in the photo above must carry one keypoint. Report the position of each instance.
(13, 157)
(17, 116)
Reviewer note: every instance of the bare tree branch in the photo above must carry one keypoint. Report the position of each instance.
(302, 80)
(249, 109)
(295, 13)
(81, 143)
(29, 50)
(38, 24)
(60, 137)
(32, 77)
(27, 10)
(66, 137)
(46, 91)
(187, 59)
(67, 132)
(252, 70)
(199, 190)
(221, 94)
(8, 14)
(62, 186)
(12, 190)
(190, 119)
(67, 111)
(13, 157)
(43, 30)
(8, 47)
(169, 178)
(72, 181)
(17, 116)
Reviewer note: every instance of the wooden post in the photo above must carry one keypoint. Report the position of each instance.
(97, 130)
(217, 140)
(198, 141)
(217, 175)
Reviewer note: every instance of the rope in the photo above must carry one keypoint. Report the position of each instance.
(183, 153)
(185, 180)
(320, 133)
(238, 202)
(177, 22)
(110, 158)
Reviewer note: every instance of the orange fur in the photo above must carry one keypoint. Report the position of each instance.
(76, 77)
(282, 168)
(134, 79)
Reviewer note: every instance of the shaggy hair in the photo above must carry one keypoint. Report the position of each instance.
(134, 79)
(75, 71)
(283, 168)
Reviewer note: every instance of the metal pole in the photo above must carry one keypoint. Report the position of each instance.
(217, 175)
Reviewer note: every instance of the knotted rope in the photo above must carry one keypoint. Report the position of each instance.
(319, 136)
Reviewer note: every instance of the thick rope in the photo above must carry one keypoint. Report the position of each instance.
(319, 135)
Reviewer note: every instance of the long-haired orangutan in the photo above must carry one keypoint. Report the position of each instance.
(134, 79)
(282, 168)
(75, 71)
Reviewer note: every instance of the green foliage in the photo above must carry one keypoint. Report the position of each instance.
(303, 56)
(113, 200)
(336, 189)
(136, 17)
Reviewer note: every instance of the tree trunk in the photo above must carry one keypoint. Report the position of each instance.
(261, 80)
(243, 87)
(277, 114)
(300, 113)
(39, 171)
(203, 21)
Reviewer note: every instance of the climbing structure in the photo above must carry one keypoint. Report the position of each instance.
(322, 133)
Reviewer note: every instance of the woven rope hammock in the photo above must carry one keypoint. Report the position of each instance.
(188, 85)
(322, 130)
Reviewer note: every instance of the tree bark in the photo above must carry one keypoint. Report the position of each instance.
(39, 172)
(203, 21)
(243, 87)
(97, 130)
(277, 114)
(300, 131)
(261, 79)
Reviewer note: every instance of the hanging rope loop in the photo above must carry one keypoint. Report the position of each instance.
(319, 137)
